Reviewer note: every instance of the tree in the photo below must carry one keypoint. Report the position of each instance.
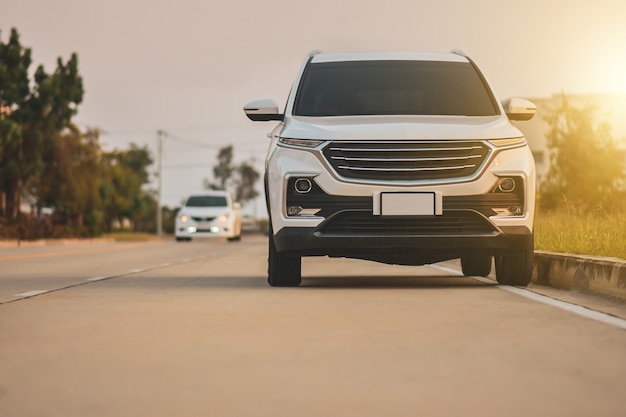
(32, 118)
(15, 61)
(44, 157)
(143, 219)
(240, 179)
(124, 175)
(586, 165)
(223, 170)
(247, 177)
(71, 179)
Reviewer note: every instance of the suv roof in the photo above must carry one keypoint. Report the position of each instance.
(388, 56)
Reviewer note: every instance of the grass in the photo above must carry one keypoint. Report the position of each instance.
(597, 234)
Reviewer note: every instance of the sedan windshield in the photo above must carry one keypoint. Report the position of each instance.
(207, 201)
(394, 88)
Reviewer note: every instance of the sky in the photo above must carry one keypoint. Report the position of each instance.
(187, 67)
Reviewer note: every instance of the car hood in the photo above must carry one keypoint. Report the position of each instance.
(399, 127)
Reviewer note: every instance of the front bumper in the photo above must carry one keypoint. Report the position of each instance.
(341, 217)
(331, 192)
(405, 249)
(204, 230)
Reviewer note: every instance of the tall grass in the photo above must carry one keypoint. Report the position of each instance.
(596, 233)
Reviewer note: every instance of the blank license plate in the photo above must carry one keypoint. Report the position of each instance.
(407, 204)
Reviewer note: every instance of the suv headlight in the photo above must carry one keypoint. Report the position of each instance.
(301, 143)
(508, 142)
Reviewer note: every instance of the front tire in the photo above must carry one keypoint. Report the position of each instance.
(516, 269)
(476, 266)
(282, 271)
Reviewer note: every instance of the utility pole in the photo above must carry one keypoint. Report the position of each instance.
(159, 220)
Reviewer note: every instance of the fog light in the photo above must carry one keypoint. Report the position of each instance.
(294, 210)
(502, 211)
(215, 229)
(515, 210)
(302, 185)
(191, 229)
(506, 185)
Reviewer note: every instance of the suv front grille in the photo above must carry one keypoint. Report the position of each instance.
(406, 161)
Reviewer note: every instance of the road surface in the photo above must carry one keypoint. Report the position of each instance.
(192, 329)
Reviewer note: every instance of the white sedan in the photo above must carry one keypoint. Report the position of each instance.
(209, 214)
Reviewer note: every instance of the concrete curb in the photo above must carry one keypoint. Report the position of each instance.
(587, 274)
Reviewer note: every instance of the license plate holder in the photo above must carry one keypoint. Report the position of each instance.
(408, 204)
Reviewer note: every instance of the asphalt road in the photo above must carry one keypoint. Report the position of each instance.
(191, 329)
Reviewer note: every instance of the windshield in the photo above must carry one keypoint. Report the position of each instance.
(355, 88)
(207, 201)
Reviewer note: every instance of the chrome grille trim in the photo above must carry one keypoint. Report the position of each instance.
(405, 169)
(408, 149)
(343, 158)
(410, 161)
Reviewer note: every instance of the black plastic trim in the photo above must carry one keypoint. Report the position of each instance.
(417, 250)
(329, 204)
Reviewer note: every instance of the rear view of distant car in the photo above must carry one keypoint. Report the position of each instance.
(208, 215)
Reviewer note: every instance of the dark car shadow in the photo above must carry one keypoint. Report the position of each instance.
(203, 281)
(393, 282)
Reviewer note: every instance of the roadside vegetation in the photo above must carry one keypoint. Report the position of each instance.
(582, 201)
(600, 234)
(56, 181)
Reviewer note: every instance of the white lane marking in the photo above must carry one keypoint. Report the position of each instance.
(28, 294)
(572, 308)
(31, 293)
(92, 279)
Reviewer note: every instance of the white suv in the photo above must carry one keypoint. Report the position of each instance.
(401, 158)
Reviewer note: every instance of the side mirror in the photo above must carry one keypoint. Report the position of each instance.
(519, 109)
(236, 206)
(262, 111)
